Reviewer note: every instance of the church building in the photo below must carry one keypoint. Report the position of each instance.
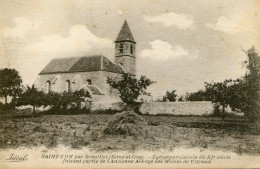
(91, 72)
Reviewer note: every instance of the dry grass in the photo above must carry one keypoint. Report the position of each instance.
(126, 123)
(161, 132)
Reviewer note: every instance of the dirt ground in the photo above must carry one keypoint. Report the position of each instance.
(163, 132)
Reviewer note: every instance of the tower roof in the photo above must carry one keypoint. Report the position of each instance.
(125, 34)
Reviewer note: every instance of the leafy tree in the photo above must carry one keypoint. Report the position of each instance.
(129, 87)
(74, 99)
(242, 95)
(200, 95)
(246, 91)
(10, 83)
(66, 100)
(32, 97)
(252, 83)
(53, 99)
(219, 93)
(170, 96)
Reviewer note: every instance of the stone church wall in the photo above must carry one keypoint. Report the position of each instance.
(128, 63)
(77, 80)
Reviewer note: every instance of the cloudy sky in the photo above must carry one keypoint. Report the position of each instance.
(180, 43)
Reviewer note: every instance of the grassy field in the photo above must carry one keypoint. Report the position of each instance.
(164, 132)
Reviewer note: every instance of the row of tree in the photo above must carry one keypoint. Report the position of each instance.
(77, 100)
(171, 96)
(11, 86)
(129, 88)
(241, 95)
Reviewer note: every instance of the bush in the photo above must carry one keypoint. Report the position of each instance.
(69, 111)
(170, 96)
(1, 105)
(217, 112)
(7, 106)
(106, 111)
(68, 102)
(126, 123)
(78, 143)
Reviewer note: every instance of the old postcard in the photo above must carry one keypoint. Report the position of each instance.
(129, 84)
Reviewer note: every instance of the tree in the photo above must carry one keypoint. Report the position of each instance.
(219, 93)
(74, 99)
(246, 91)
(200, 95)
(170, 96)
(129, 87)
(242, 95)
(53, 99)
(10, 83)
(32, 97)
(252, 83)
(66, 100)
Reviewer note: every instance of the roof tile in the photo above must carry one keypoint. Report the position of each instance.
(81, 64)
(125, 34)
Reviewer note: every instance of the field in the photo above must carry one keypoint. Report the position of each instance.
(164, 132)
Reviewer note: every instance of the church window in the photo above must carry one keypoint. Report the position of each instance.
(89, 82)
(48, 86)
(131, 49)
(68, 86)
(121, 48)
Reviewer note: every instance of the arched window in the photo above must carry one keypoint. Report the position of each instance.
(121, 48)
(68, 87)
(131, 49)
(89, 82)
(48, 86)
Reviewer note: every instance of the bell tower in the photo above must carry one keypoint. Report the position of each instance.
(125, 46)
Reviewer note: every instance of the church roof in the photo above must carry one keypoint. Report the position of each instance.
(81, 64)
(125, 34)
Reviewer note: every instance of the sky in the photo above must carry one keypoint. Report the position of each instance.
(180, 43)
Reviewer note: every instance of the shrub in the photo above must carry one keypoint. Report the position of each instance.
(1, 105)
(78, 142)
(170, 96)
(154, 123)
(7, 106)
(216, 110)
(200, 95)
(68, 102)
(106, 111)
